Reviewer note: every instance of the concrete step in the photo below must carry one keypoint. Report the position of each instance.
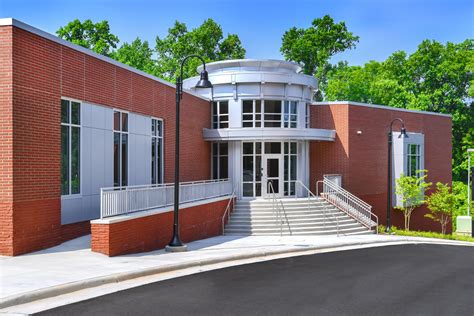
(294, 226)
(277, 232)
(295, 221)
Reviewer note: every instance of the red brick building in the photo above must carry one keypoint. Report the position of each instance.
(74, 123)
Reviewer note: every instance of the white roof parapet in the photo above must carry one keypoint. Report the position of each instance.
(229, 134)
(378, 106)
(252, 65)
(51, 37)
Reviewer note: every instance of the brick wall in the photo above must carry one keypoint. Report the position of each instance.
(155, 231)
(363, 158)
(40, 72)
(6, 141)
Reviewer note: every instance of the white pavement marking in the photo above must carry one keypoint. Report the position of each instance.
(71, 263)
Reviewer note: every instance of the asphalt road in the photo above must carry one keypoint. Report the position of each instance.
(392, 280)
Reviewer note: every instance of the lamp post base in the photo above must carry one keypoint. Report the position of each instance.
(181, 248)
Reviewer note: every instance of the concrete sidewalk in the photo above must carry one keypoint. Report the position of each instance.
(72, 266)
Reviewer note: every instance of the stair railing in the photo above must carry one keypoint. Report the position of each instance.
(228, 210)
(326, 212)
(276, 206)
(348, 203)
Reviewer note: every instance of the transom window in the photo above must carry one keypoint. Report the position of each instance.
(220, 160)
(120, 148)
(269, 113)
(220, 114)
(70, 147)
(413, 160)
(156, 151)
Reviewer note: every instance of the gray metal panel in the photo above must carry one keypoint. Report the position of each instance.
(96, 164)
(400, 157)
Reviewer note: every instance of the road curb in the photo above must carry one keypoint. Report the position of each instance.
(49, 292)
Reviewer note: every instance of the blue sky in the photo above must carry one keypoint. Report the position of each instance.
(384, 26)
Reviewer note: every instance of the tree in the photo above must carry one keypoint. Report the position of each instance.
(207, 41)
(411, 191)
(95, 36)
(138, 54)
(436, 78)
(314, 46)
(441, 204)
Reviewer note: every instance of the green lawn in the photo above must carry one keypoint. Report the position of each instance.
(401, 232)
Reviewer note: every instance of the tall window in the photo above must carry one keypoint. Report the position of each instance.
(156, 151)
(307, 116)
(269, 113)
(220, 114)
(70, 147)
(290, 159)
(220, 160)
(120, 148)
(413, 160)
(290, 116)
(251, 113)
(251, 169)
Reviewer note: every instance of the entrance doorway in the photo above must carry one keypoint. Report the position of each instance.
(272, 175)
(269, 161)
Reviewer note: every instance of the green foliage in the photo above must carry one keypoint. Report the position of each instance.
(411, 191)
(436, 78)
(138, 54)
(95, 36)
(207, 41)
(441, 205)
(314, 46)
(401, 232)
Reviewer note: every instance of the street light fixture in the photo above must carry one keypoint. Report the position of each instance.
(175, 244)
(403, 134)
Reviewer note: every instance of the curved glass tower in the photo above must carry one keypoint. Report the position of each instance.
(260, 129)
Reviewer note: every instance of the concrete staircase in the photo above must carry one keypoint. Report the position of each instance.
(300, 217)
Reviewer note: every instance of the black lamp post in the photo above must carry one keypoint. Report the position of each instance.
(175, 244)
(403, 134)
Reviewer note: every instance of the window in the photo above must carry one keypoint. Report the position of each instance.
(120, 149)
(251, 169)
(220, 114)
(251, 113)
(290, 116)
(70, 147)
(413, 160)
(290, 158)
(269, 113)
(272, 113)
(156, 151)
(220, 160)
(307, 116)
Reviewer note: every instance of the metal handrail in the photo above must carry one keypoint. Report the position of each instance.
(158, 185)
(276, 207)
(125, 200)
(348, 203)
(227, 210)
(311, 194)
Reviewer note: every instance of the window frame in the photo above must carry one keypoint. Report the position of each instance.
(158, 138)
(218, 155)
(121, 133)
(287, 118)
(216, 119)
(70, 125)
(417, 156)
